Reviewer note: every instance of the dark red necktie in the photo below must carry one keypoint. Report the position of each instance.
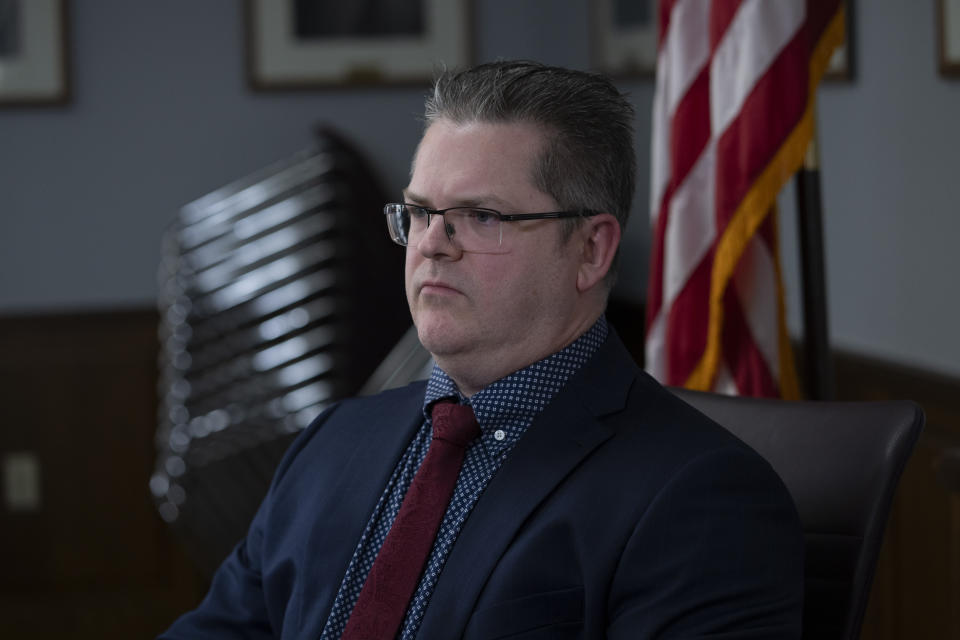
(396, 571)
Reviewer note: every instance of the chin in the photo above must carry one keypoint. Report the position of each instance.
(439, 337)
(438, 344)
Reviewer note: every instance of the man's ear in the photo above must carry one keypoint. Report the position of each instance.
(601, 237)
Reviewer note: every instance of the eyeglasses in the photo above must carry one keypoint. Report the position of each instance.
(472, 229)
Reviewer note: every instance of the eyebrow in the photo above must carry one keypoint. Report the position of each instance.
(409, 196)
(483, 202)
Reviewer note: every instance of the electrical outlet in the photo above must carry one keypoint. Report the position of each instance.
(21, 481)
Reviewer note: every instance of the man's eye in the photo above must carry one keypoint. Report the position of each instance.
(483, 217)
(416, 212)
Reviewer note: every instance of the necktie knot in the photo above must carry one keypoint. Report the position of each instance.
(454, 423)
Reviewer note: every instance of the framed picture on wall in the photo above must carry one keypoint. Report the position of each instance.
(33, 53)
(624, 41)
(948, 27)
(298, 44)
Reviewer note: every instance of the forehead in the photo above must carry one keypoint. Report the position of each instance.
(457, 162)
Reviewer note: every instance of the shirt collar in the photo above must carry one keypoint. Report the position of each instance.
(521, 395)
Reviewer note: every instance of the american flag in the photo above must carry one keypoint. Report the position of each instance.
(733, 117)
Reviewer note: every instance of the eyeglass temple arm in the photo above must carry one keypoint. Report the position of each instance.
(586, 213)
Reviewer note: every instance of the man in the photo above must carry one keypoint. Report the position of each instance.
(592, 503)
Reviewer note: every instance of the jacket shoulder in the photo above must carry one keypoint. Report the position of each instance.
(354, 417)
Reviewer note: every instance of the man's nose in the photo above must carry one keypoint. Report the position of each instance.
(436, 239)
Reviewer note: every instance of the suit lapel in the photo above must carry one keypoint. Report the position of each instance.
(375, 450)
(567, 431)
(380, 449)
(368, 438)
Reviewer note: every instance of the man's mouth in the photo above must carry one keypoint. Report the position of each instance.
(437, 287)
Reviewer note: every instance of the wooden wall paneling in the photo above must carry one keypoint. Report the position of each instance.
(78, 392)
(915, 592)
(953, 603)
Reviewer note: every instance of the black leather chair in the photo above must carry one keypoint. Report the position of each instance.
(841, 463)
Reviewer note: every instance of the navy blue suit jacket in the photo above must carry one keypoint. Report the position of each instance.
(621, 513)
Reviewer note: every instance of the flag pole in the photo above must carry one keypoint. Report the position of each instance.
(818, 365)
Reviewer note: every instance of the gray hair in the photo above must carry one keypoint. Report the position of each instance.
(589, 160)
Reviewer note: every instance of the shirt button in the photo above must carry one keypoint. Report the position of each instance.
(499, 435)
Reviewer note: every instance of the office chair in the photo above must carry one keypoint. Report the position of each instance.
(268, 315)
(841, 463)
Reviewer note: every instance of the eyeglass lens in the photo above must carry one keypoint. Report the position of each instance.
(470, 229)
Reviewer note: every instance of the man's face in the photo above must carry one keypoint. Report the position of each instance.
(485, 315)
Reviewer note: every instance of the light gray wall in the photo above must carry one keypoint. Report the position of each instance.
(161, 114)
(891, 193)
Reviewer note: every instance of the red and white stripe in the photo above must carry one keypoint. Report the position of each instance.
(731, 112)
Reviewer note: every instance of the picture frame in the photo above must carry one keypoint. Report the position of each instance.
(948, 37)
(624, 41)
(624, 37)
(34, 68)
(308, 44)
